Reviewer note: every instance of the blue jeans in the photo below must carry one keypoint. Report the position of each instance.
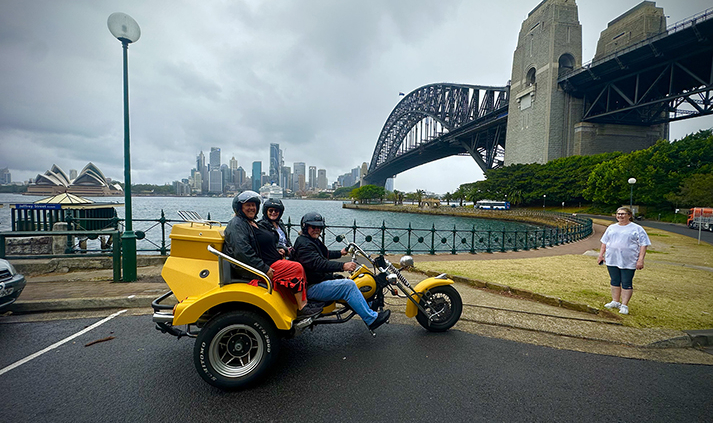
(343, 289)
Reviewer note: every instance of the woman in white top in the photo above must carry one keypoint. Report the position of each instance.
(623, 250)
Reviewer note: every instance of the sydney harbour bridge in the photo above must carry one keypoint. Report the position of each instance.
(661, 78)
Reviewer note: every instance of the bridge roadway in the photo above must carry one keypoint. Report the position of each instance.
(664, 78)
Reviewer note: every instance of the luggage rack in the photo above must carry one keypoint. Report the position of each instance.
(193, 217)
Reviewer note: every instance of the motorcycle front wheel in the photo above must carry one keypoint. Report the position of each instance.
(444, 301)
(234, 349)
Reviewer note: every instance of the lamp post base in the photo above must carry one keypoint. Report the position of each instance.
(128, 256)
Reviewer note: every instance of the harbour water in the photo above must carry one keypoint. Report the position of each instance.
(220, 209)
(146, 210)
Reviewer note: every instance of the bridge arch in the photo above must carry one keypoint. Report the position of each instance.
(446, 108)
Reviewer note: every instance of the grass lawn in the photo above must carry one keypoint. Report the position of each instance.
(668, 292)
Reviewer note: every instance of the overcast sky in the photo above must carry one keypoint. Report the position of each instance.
(318, 77)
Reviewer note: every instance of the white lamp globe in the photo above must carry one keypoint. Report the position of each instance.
(123, 27)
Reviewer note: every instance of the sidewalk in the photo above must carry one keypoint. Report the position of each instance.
(485, 312)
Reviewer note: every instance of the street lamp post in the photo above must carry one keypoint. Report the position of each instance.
(631, 181)
(544, 197)
(126, 30)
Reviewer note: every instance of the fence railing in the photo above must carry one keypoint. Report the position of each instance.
(71, 241)
(152, 236)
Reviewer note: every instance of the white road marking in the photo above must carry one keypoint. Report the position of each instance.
(57, 344)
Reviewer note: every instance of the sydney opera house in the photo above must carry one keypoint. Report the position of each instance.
(89, 183)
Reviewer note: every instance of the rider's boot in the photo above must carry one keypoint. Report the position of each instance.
(382, 318)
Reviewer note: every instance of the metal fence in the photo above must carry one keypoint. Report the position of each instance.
(152, 236)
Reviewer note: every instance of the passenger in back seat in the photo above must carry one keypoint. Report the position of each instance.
(257, 247)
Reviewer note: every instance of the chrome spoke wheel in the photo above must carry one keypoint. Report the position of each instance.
(236, 350)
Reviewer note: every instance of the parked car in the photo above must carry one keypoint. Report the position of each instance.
(11, 284)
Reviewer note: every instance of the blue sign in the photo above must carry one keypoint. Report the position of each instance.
(38, 206)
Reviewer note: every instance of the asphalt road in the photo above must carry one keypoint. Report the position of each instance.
(676, 228)
(336, 373)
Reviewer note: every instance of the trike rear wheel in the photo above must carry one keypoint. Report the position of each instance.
(234, 349)
(446, 303)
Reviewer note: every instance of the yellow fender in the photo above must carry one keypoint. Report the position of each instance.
(423, 286)
(191, 309)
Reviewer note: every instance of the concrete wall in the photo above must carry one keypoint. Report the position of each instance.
(540, 126)
(544, 123)
(637, 24)
(595, 138)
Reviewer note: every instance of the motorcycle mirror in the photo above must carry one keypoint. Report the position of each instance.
(406, 261)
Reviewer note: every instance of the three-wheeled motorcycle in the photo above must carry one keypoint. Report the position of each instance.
(238, 323)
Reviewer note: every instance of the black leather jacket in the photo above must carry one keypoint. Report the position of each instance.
(314, 256)
(240, 243)
(267, 224)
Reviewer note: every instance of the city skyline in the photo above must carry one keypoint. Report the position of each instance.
(233, 177)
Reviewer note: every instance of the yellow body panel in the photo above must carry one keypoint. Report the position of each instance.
(364, 280)
(423, 286)
(183, 276)
(191, 240)
(192, 308)
(192, 273)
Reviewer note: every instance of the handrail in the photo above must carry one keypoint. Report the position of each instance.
(242, 265)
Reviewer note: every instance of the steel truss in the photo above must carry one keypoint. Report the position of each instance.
(664, 78)
(454, 107)
(674, 90)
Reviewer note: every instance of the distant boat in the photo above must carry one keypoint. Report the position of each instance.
(271, 191)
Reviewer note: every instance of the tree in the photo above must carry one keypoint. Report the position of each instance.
(419, 196)
(448, 197)
(343, 192)
(697, 190)
(460, 195)
(368, 192)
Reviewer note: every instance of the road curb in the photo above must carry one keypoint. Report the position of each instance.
(74, 304)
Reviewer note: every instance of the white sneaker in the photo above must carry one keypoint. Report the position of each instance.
(613, 304)
(624, 309)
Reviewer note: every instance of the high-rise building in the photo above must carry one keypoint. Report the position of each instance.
(355, 175)
(275, 166)
(198, 182)
(203, 170)
(322, 179)
(299, 171)
(214, 158)
(227, 176)
(215, 184)
(389, 184)
(5, 176)
(256, 176)
(239, 177)
(233, 163)
(312, 177)
(363, 172)
(286, 177)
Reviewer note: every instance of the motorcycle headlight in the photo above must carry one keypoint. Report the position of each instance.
(406, 261)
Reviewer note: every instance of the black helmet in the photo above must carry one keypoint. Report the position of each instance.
(272, 203)
(312, 219)
(244, 197)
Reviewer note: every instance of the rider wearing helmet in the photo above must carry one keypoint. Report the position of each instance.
(257, 247)
(272, 211)
(322, 283)
(240, 241)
